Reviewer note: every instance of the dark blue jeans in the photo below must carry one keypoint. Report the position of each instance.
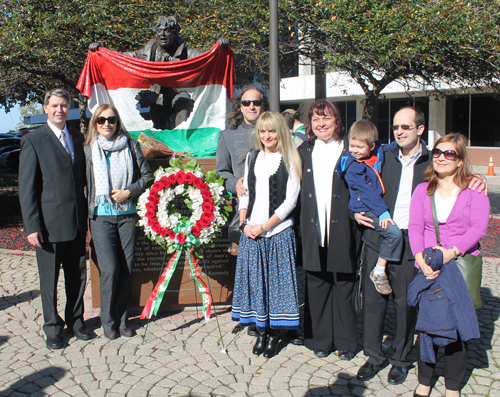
(391, 247)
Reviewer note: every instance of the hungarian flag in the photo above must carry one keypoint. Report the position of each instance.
(148, 95)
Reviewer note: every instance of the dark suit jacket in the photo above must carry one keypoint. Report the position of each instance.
(345, 236)
(51, 188)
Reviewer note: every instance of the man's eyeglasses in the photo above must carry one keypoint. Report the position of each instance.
(404, 127)
(257, 102)
(448, 154)
(101, 120)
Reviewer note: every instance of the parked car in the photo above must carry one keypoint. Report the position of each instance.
(11, 141)
(8, 149)
(13, 160)
(10, 159)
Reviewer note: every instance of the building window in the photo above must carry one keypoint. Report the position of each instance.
(347, 112)
(475, 116)
(388, 107)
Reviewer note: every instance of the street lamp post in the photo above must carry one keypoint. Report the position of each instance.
(274, 72)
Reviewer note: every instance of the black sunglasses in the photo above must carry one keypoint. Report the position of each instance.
(404, 127)
(101, 120)
(257, 102)
(448, 154)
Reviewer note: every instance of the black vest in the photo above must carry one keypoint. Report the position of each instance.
(277, 185)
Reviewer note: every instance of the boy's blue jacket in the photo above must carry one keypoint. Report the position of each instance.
(365, 185)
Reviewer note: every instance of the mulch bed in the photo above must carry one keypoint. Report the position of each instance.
(12, 231)
(12, 234)
(491, 242)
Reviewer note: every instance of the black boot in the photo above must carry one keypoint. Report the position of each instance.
(272, 343)
(260, 344)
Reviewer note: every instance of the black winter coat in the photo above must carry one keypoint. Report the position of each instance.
(345, 236)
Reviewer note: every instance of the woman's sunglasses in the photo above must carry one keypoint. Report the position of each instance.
(448, 154)
(101, 120)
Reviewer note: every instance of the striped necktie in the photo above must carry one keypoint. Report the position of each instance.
(62, 139)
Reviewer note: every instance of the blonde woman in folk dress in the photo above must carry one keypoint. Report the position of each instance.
(265, 291)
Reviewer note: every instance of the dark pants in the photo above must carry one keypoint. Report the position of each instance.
(400, 275)
(455, 362)
(71, 255)
(329, 316)
(114, 240)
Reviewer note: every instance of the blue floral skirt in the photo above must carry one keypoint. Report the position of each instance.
(265, 285)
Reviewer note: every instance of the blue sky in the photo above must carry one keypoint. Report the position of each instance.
(8, 121)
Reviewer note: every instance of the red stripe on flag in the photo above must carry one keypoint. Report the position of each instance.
(115, 70)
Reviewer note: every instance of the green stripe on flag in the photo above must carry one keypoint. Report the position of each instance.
(199, 142)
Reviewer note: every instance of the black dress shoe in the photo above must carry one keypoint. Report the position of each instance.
(368, 371)
(273, 340)
(296, 337)
(260, 344)
(321, 353)
(110, 334)
(83, 333)
(54, 342)
(252, 330)
(397, 375)
(126, 332)
(347, 356)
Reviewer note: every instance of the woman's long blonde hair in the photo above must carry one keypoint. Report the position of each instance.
(92, 130)
(286, 146)
(464, 172)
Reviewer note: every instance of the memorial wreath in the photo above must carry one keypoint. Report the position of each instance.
(184, 209)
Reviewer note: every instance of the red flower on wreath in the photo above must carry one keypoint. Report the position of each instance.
(204, 222)
(156, 227)
(181, 239)
(196, 231)
(197, 182)
(190, 178)
(207, 207)
(165, 182)
(171, 234)
(173, 179)
(151, 207)
(164, 231)
(157, 186)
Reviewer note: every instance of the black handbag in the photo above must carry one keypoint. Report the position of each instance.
(233, 228)
(357, 298)
(471, 266)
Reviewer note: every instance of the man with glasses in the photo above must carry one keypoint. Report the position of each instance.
(54, 208)
(248, 105)
(403, 170)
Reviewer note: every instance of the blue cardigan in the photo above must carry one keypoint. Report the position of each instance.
(445, 308)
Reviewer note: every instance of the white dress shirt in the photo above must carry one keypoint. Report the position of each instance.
(402, 207)
(324, 159)
(57, 131)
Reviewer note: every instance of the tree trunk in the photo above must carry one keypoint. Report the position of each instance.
(84, 121)
(370, 112)
(319, 81)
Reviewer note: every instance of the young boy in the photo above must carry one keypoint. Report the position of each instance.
(360, 168)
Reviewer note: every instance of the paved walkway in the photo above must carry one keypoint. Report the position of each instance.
(182, 355)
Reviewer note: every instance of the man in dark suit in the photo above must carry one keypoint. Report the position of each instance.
(54, 208)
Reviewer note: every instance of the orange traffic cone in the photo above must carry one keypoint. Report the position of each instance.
(491, 170)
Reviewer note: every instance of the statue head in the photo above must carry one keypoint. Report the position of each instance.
(167, 30)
